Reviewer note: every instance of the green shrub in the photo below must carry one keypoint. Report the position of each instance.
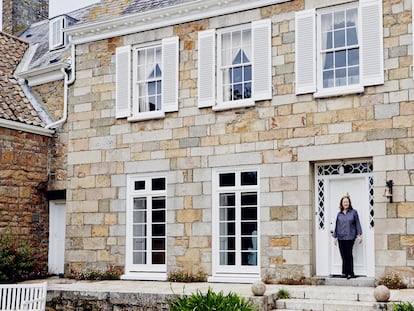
(210, 301)
(282, 294)
(402, 306)
(392, 281)
(18, 260)
(186, 277)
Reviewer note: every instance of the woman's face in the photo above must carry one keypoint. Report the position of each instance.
(345, 203)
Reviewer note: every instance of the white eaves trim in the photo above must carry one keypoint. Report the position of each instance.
(158, 18)
(43, 75)
(18, 126)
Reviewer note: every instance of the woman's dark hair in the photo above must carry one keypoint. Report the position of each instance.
(341, 207)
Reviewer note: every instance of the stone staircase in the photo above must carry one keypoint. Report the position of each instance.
(335, 295)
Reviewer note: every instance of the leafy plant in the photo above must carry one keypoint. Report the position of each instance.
(186, 277)
(210, 301)
(402, 306)
(18, 260)
(392, 281)
(282, 294)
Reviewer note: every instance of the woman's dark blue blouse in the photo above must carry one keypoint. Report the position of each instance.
(347, 225)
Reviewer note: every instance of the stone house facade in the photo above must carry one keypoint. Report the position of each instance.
(219, 137)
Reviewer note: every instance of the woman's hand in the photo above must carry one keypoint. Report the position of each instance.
(335, 240)
(359, 239)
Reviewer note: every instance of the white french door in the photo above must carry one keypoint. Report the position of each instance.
(57, 227)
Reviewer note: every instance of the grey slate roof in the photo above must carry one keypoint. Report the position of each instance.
(14, 105)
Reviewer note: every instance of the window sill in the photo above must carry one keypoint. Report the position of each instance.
(234, 104)
(150, 115)
(355, 89)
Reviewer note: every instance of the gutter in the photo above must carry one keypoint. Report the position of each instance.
(67, 82)
(26, 128)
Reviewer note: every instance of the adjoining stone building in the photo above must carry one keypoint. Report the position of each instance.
(220, 136)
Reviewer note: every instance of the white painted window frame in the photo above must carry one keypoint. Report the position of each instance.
(125, 79)
(143, 271)
(209, 65)
(238, 273)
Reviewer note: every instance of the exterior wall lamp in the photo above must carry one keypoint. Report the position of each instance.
(388, 189)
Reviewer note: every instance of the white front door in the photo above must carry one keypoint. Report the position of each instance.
(57, 227)
(331, 184)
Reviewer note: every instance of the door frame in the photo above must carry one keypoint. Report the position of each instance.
(324, 174)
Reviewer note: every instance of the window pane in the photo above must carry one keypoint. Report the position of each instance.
(249, 198)
(139, 244)
(158, 244)
(227, 199)
(340, 59)
(247, 73)
(353, 57)
(227, 179)
(339, 38)
(328, 78)
(158, 216)
(140, 216)
(249, 213)
(340, 77)
(247, 91)
(158, 230)
(158, 258)
(328, 62)
(227, 258)
(140, 203)
(227, 243)
(248, 178)
(139, 230)
(237, 91)
(158, 203)
(249, 258)
(139, 185)
(351, 36)
(339, 20)
(227, 214)
(353, 75)
(247, 228)
(227, 228)
(139, 258)
(351, 17)
(158, 184)
(237, 74)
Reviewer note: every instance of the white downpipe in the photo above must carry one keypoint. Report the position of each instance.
(67, 82)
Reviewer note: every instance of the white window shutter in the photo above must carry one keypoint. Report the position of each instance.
(305, 55)
(123, 82)
(206, 68)
(262, 59)
(170, 74)
(56, 38)
(372, 54)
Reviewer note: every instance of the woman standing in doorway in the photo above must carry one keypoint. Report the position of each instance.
(347, 230)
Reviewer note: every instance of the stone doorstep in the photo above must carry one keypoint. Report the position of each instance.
(326, 305)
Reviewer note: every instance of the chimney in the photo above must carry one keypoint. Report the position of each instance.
(17, 15)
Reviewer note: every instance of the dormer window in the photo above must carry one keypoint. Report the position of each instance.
(56, 37)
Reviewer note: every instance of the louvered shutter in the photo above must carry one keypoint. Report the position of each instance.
(305, 55)
(372, 54)
(123, 81)
(206, 68)
(170, 74)
(262, 59)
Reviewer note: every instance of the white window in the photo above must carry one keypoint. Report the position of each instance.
(234, 66)
(146, 226)
(236, 225)
(56, 36)
(141, 93)
(339, 50)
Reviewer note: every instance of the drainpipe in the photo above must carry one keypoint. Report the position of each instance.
(67, 82)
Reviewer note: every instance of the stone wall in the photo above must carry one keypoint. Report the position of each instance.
(23, 178)
(283, 137)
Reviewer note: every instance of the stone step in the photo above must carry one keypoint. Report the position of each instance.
(326, 305)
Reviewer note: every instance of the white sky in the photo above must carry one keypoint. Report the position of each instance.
(57, 7)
